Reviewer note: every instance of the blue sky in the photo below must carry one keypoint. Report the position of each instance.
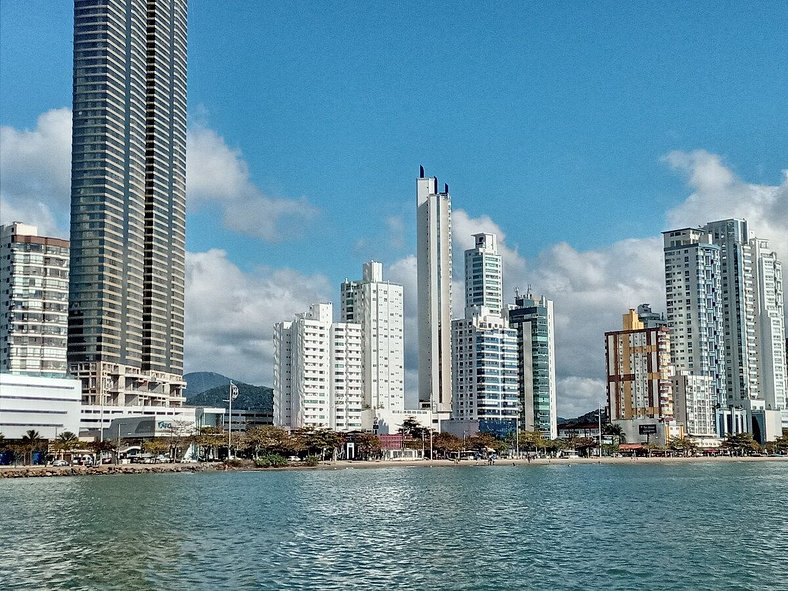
(551, 121)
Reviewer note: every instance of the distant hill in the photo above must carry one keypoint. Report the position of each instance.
(249, 397)
(589, 417)
(198, 382)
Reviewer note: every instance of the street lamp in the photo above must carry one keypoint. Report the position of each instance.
(232, 396)
(600, 430)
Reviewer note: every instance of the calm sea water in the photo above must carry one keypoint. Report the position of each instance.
(669, 526)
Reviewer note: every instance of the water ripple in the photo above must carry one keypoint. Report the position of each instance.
(658, 527)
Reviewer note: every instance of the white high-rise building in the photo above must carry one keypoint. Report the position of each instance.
(694, 306)
(770, 326)
(484, 348)
(318, 371)
(483, 272)
(433, 228)
(347, 377)
(377, 306)
(33, 302)
(738, 308)
(725, 309)
(484, 369)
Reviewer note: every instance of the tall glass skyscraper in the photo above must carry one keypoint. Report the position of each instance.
(533, 319)
(128, 201)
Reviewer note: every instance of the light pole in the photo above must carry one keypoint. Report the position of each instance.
(233, 395)
(600, 430)
(117, 445)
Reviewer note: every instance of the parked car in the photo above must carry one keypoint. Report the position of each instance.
(60, 463)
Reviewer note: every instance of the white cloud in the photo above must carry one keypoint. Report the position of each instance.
(580, 395)
(717, 193)
(591, 290)
(217, 174)
(230, 314)
(35, 172)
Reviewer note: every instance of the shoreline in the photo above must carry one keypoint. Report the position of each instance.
(110, 469)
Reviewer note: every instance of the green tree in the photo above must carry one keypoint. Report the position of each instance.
(532, 441)
(318, 442)
(268, 439)
(208, 440)
(740, 444)
(100, 447)
(584, 445)
(156, 446)
(65, 441)
(615, 431)
(682, 445)
(367, 445)
(31, 442)
(445, 443)
(181, 434)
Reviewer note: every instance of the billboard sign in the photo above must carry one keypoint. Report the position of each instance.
(647, 429)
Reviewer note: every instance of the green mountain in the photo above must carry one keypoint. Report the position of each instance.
(198, 382)
(249, 397)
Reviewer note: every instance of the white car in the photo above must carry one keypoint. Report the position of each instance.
(60, 463)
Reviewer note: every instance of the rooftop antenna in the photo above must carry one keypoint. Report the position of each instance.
(421, 172)
(446, 188)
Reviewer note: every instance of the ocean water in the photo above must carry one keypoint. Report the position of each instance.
(698, 526)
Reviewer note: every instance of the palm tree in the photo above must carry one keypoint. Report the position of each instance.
(66, 441)
(616, 431)
(30, 441)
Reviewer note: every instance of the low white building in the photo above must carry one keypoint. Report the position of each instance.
(94, 418)
(50, 406)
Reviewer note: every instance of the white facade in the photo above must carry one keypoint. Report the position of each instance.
(50, 406)
(738, 309)
(694, 401)
(318, 372)
(770, 325)
(484, 348)
(347, 377)
(33, 302)
(483, 276)
(484, 369)
(378, 307)
(741, 315)
(434, 276)
(694, 306)
(95, 418)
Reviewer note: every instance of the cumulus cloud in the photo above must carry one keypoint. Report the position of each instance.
(717, 193)
(35, 172)
(35, 169)
(230, 313)
(217, 174)
(591, 290)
